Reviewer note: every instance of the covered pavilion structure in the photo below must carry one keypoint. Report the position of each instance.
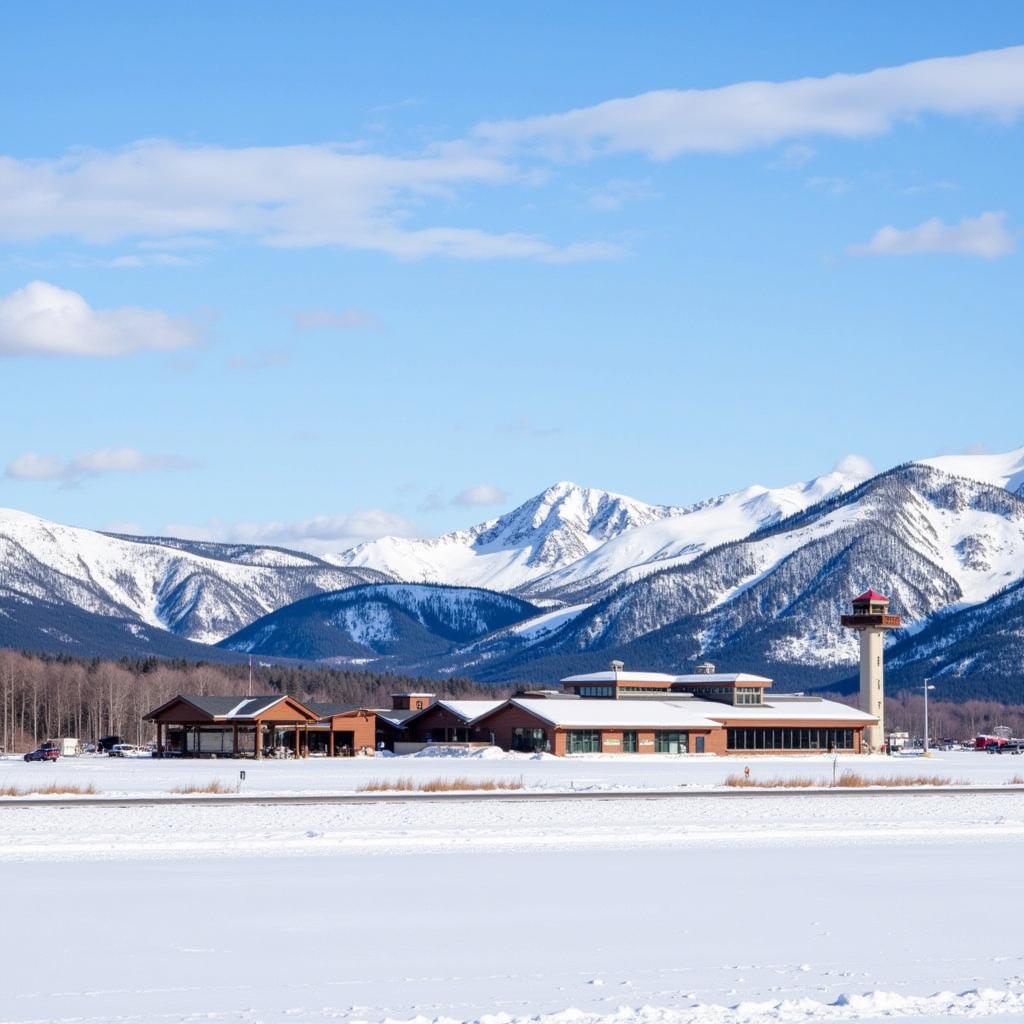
(191, 725)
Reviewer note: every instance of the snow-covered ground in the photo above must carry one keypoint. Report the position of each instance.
(115, 776)
(625, 911)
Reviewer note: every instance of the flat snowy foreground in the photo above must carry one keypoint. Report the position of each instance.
(116, 776)
(626, 911)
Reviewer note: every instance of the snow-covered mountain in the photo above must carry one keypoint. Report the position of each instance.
(571, 541)
(932, 541)
(408, 622)
(202, 592)
(756, 578)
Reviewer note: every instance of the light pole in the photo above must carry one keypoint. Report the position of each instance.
(927, 687)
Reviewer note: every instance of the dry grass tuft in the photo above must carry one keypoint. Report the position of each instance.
(796, 782)
(461, 784)
(216, 787)
(853, 780)
(848, 780)
(1016, 780)
(50, 789)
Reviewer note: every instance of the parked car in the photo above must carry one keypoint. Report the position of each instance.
(129, 750)
(43, 753)
(107, 743)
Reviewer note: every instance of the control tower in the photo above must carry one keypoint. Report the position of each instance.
(871, 619)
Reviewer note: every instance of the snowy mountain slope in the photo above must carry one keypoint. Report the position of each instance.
(202, 592)
(554, 529)
(405, 621)
(931, 541)
(1004, 469)
(682, 537)
(570, 540)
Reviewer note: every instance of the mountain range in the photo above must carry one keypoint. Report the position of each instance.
(755, 579)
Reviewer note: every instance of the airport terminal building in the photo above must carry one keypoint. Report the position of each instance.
(611, 712)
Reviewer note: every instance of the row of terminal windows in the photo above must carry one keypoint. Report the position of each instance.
(789, 739)
(596, 691)
(749, 694)
(731, 694)
(666, 741)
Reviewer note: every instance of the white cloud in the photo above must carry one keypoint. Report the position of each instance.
(855, 465)
(745, 115)
(318, 535)
(986, 236)
(42, 319)
(309, 195)
(98, 462)
(480, 494)
(350, 319)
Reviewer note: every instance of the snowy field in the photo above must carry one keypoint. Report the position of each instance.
(623, 911)
(116, 776)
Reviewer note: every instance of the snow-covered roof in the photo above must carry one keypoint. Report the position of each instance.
(723, 677)
(707, 679)
(467, 710)
(229, 709)
(627, 714)
(623, 676)
(812, 709)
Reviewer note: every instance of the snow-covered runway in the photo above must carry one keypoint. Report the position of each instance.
(700, 910)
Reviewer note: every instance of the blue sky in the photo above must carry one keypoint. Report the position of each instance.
(314, 272)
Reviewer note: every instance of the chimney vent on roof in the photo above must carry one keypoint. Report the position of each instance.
(618, 666)
(705, 668)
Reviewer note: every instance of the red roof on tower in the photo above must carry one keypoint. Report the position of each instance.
(870, 595)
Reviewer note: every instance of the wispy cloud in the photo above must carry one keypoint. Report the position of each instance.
(746, 115)
(318, 534)
(615, 194)
(43, 319)
(285, 196)
(98, 462)
(349, 319)
(480, 495)
(985, 236)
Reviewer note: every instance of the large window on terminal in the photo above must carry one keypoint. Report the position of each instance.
(789, 739)
(629, 741)
(596, 691)
(666, 742)
(582, 741)
(749, 695)
(529, 741)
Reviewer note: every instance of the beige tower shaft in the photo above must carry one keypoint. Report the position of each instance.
(871, 686)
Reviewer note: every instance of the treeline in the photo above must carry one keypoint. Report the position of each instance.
(946, 720)
(44, 696)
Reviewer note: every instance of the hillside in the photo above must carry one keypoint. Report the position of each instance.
(201, 592)
(404, 623)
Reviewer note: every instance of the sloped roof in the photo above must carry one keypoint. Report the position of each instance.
(811, 709)
(627, 714)
(870, 595)
(327, 710)
(228, 708)
(397, 717)
(609, 676)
